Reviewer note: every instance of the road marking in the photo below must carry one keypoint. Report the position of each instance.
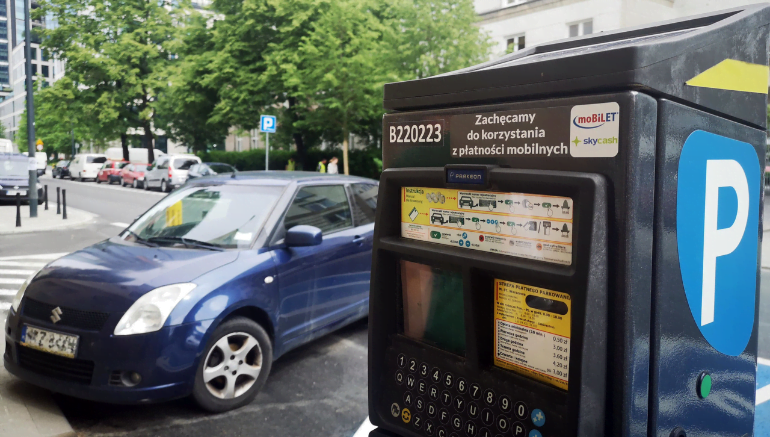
(45, 256)
(16, 272)
(12, 281)
(120, 224)
(763, 361)
(21, 264)
(7, 292)
(763, 395)
(5, 306)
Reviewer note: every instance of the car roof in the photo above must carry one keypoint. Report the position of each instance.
(280, 177)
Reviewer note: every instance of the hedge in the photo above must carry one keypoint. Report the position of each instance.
(366, 163)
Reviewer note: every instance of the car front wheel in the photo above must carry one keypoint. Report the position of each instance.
(234, 366)
(164, 186)
(133, 184)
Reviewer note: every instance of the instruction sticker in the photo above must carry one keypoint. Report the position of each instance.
(530, 226)
(532, 332)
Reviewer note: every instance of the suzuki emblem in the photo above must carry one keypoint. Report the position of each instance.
(56, 314)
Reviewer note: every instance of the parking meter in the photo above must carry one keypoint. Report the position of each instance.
(566, 239)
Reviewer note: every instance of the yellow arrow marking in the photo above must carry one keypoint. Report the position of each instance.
(735, 76)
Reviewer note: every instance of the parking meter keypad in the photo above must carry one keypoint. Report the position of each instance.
(441, 404)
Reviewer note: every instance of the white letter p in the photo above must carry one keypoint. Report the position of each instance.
(719, 242)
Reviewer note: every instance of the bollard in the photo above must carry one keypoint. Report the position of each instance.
(58, 202)
(64, 204)
(18, 210)
(46, 197)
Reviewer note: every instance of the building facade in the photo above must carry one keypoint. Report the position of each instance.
(517, 24)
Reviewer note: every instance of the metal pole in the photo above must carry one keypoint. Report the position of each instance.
(64, 204)
(46, 197)
(58, 202)
(32, 195)
(267, 151)
(18, 210)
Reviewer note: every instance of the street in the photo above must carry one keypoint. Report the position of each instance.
(317, 389)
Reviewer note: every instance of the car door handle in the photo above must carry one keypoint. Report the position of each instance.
(358, 239)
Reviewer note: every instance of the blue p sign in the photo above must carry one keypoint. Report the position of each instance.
(717, 228)
(267, 123)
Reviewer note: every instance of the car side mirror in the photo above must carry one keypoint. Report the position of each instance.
(303, 235)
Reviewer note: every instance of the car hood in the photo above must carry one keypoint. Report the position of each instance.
(111, 275)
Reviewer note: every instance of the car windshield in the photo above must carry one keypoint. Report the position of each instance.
(140, 167)
(222, 216)
(184, 164)
(220, 168)
(14, 168)
(96, 159)
(63, 164)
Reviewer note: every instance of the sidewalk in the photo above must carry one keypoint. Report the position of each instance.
(45, 220)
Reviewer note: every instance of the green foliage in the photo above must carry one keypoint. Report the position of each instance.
(362, 162)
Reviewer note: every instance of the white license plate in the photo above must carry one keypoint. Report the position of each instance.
(55, 343)
(14, 192)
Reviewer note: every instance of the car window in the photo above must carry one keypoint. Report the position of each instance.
(96, 159)
(161, 164)
(194, 168)
(364, 203)
(184, 164)
(122, 164)
(325, 207)
(139, 168)
(105, 165)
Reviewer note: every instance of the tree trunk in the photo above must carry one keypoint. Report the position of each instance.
(124, 144)
(298, 139)
(148, 137)
(345, 150)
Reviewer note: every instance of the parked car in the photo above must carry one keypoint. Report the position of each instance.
(86, 166)
(133, 174)
(210, 169)
(201, 293)
(61, 169)
(41, 162)
(110, 172)
(169, 171)
(14, 178)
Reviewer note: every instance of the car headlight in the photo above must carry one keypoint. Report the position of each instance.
(149, 312)
(19, 295)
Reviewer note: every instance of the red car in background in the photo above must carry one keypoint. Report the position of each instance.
(133, 174)
(110, 172)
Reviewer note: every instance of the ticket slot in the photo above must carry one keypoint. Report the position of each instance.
(572, 411)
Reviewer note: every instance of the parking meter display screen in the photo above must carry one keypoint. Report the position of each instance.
(433, 306)
(530, 226)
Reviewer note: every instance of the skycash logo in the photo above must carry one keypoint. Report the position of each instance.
(594, 130)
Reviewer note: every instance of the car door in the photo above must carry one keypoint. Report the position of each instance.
(363, 200)
(158, 168)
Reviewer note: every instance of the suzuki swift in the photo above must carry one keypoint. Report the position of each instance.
(201, 293)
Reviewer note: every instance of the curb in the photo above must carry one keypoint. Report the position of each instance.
(76, 218)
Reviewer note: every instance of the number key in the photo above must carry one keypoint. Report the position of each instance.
(448, 380)
(475, 390)
(520, 410)
(462, 386)
(505, 403)
(401, 360)
(412, 365)
(489, 396)
(435, 375)
(423, 369)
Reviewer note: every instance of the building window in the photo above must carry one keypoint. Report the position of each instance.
(3, 9)
(4, 30)
(581, 28)
(45, 71)
(4, 77)
(507, 3)
(514, 44)
(4, 52)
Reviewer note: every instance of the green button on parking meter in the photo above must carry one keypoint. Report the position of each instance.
(614, 186)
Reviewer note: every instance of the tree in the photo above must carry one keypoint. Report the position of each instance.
(117, 52)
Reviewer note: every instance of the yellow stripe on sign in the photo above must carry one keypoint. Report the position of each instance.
(174, 214)
(734, 76)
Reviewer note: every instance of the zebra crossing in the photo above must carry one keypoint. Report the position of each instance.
(14, 270)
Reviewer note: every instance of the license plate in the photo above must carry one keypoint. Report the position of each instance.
(56, 343)
(14, 192)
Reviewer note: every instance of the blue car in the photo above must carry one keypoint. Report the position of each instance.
(201, 293)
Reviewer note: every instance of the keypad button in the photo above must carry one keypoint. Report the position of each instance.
(410, 381)
(424, 369)
(471, 429)
(431, 409)
(519, 430)
(459, 404)
(457, 422)
(484, 432)
(417, 421)
(419, 404)
(446, 397)
(505, 403)
(399, 377)
(435, 375)
(401, 360)
(412, 365)
(487, 417)
(473, 410)
(422, 386)
(406, 415)
(538, 417)
(443, 415)
(408, 399)
(489, 397)
(475, 391)
(449, 380)
(535, 433)
(441, 432)
(462, 385)
(430, 429)
(433, 392)
(503, 424)
(520, 410)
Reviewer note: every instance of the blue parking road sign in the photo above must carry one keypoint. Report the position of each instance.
(267, 123)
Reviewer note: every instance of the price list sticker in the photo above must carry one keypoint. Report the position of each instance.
(532, 332)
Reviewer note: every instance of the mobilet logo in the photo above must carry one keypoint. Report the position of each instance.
(594, 130)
